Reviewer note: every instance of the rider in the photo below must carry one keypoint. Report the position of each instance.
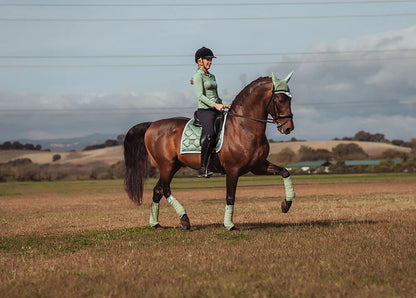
(208, 107)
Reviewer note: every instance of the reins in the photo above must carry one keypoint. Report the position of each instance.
(276, 116)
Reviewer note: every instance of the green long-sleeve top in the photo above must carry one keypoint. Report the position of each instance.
(206, 90)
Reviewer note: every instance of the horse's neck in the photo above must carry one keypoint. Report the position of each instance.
(253, 105)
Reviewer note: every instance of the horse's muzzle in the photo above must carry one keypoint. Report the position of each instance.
(286, 128)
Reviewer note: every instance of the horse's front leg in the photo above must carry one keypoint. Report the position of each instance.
(231, 180)
(267, 168)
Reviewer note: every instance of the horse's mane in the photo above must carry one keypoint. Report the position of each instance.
(248, 89)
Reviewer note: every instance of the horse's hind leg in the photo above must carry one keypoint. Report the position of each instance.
(267, 168)
(164, 189)
(154, 209)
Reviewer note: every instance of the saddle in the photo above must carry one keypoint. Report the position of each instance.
(190, 141)
(218, 122)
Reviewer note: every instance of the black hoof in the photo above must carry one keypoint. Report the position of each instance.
(234, 230)
(286, 205)
(185, 223)
(158, 227)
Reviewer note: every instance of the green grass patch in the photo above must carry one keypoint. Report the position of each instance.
(106, 186)
(60, 187)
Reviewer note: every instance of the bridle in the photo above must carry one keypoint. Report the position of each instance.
(276, 116)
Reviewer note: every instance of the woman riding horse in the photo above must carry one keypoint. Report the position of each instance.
(208, 107)
(245, 148)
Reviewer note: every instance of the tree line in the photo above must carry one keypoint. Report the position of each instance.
(349, 151)
(18, 146)
(107, 143)
(364, 136)
(8, 145)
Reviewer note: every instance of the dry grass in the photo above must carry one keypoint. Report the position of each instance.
(344, 236)
(110, 155)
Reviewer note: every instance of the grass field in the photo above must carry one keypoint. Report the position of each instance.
(346, 235)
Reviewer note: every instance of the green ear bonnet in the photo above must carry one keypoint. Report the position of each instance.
(280, 86)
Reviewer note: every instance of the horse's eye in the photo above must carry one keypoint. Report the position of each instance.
(281, 97)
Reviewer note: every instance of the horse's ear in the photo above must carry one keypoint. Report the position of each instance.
(289, 76)
(275, 80)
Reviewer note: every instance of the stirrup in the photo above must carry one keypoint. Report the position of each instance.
(204, 172)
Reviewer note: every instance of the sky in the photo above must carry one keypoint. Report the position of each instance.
(74, 68)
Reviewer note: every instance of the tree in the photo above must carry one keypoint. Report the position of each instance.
(29, 147)
(397, 142)
(378, 137)
(110, 143)
(17, 145)
(368, 137)
(392, 154)
(309, 154)
(6, 146)
(285, 156)
(348, 152)
(120, 139)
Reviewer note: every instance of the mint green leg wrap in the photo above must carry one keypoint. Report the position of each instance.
(290, 191)
(154, 214)
(176, 205)
(228, 218)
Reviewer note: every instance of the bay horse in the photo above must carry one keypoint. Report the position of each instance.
(245, 148)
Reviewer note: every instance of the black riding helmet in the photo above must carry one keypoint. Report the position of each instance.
(203, 53)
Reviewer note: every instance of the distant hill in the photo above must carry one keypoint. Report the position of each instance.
(112, 155)
(70, 144)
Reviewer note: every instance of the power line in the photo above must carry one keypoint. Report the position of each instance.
(218, 64)
(301, 3)
(164, 110)
(102, 20)
(190, 55)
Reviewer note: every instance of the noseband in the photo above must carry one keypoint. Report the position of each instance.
(276, 115)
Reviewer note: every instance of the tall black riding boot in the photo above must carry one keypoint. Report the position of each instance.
(206, 149)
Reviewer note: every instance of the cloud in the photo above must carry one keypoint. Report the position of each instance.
(13, 100)
(381, 70)
(360, 84)
(39, 116)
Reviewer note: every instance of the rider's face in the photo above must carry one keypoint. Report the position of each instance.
(206, 62)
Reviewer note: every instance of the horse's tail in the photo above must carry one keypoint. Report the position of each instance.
(137, 161)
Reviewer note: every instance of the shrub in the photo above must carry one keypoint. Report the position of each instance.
(392, 154)
(348, 152)
(20, 162)
(308, 154)
(285, 156)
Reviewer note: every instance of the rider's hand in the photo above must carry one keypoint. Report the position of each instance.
(219, 107)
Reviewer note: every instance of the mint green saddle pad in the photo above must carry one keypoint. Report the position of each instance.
(190, 138)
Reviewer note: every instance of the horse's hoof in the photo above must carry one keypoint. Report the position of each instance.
(234, 230)
(158, 227)
(286, 205)
(185, 223)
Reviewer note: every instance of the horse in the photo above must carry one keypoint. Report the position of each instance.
(245, 148)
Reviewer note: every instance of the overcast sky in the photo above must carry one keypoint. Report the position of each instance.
(73, 68)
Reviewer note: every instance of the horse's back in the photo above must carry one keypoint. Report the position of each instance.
(163, 138)
(170, 125)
